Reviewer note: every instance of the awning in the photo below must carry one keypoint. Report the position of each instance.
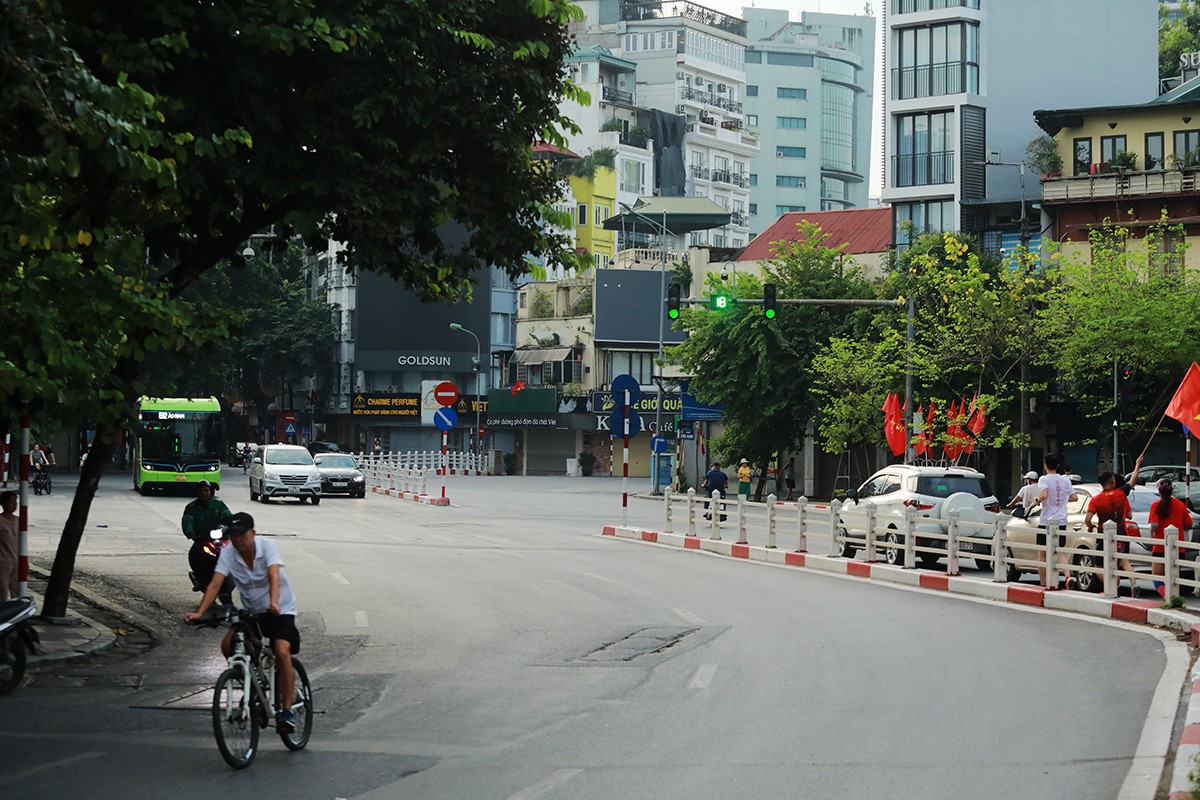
(539, 355)
(677, 214)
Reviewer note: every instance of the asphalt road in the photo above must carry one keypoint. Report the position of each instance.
(501, 648)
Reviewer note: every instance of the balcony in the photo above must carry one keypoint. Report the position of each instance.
(935, 80)
(923, 169)
(722, 176)
(616, 96)
(738, 219)
(711, 99)
(1111, 185)
(914, 6)
(700, 173)
(636, 10)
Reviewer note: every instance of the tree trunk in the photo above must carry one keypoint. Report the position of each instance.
(58, 589)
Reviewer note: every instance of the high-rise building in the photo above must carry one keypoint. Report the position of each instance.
(809, 89)
(961, 82)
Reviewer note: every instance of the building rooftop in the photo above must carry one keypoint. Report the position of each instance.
(862, 230)
(1054, 120)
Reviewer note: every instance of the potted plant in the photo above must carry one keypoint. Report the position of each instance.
(1123, 160)
(587, 463)
(1041, 156)
(510, 463)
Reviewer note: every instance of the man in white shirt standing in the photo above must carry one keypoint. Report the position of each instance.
(1055, 492)
(257, 572)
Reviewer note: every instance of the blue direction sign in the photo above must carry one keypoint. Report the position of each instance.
(445, 418)
(616, 422)
(622, 384)
(290, 429)
(658, 444)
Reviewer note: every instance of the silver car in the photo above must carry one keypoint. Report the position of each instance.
(340, 475)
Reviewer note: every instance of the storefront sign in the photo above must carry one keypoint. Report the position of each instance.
(528, 421)
(407, 405)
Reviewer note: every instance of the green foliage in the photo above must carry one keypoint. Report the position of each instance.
(586, 166)
(762, 370)
(681, 273)
(1123, 160)
(542, 304)
(612, 124)
(1041, 155)
(1177, 37)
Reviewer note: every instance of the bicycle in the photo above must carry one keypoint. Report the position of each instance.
(240, 706)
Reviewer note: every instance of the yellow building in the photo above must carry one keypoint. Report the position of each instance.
(596, 201)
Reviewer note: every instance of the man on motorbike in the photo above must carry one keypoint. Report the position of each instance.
(201, 516)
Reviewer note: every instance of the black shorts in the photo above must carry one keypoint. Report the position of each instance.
(281, 626)
(1041, 537)
(791, 482)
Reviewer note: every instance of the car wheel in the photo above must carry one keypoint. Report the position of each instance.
(1012, 573)
(316, 501)
(893, 552)
(929, 559)
(841, 548)
(253, 494)
(1087, 581)
(262, 490)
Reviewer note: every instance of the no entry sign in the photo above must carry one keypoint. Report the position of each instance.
(446, 393)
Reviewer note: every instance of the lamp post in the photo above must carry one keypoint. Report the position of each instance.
(725, 270)
(478, 394)
(662, 231)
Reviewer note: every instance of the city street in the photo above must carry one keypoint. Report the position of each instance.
(502, 648)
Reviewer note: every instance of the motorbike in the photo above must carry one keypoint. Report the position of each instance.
(202, 557)
(17, 637)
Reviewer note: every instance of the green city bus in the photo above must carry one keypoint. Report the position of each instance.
(178, 442)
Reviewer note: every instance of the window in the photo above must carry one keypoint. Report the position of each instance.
(1186, 145)
(788, 93)
(790, 181)
(752, 120)
(936, 59)
(581, 217)
(751, 91)
(913, 6)
(633, 176)
(1082, 152)
(753, 179)
(791, 152)
(781, 210)
(754, 209)
(523, 300)
(1110, 146)
(791, 122)
(933, 216)
(624, 362)
(1154, 151)
(924, 149)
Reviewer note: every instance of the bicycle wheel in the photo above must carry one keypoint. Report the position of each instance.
(297, 739)
(12, 663)
(235, 728)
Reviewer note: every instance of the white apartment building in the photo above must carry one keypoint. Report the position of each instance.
(809, 91)
(690, 75)
(962, 79)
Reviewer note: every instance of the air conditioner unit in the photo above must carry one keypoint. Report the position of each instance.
(721, 88)
(680, 76)
(778, 154)
(680, 109)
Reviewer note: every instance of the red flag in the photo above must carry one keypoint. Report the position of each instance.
(518, 386)
(978, 417)
(953, 446)
(919, 444)
(965, 416)
(1185, 405)
(893, 423)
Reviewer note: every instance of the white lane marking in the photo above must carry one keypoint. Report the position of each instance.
(512, 553)
(393, 537)
(688, 616)
(360, 619)
(545, 784)
(339, 577)
(53, 765)
(1141, 782)
(703, 677)
(593, 575)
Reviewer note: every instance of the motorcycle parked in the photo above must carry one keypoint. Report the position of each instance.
(17, 637)
(203, 561)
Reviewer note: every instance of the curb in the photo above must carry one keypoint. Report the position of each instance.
(104, 640)
(1189, 741)
(416, 498)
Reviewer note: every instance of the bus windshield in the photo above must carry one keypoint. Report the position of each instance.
(188, 437)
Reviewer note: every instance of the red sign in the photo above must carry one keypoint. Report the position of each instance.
(446, 393)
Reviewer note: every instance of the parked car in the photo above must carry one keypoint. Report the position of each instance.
(340, 474)
(933, 491)
(324, 447)
(284, 470)
(1148, 476)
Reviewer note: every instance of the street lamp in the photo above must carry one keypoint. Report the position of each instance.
(725, 269)
(478, 394)
(662, 317)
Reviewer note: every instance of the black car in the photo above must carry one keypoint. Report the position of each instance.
(324, 447)
(340, 474)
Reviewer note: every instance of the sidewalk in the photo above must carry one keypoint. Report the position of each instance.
(74, 636)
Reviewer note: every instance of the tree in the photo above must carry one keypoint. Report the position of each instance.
(1176, 37)
(762, 370)
(141, 146)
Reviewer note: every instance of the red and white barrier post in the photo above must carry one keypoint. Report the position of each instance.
(625, 465)
(23, 516)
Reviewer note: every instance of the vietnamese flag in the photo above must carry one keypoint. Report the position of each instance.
(893, 423)
(953, 446)
(1185, 405)
(919, 444)
(518, 386)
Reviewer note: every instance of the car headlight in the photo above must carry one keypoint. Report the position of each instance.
(148, 467)
(270, 476)
(357, 478)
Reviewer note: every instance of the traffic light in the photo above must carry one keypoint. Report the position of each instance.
(673, 298)
(720, 302)
(769, 300)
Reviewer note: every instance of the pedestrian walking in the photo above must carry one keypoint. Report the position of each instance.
(9, 545)
(378, 447)
(744, 478)
(1055, 491)
(1167, 511)
(788, 476)
(714, 481)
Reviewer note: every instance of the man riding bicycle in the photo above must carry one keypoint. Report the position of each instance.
(257, 572)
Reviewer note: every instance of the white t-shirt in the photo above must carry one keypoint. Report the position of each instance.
(1028, 494)
(1058, 494)
(253, 584)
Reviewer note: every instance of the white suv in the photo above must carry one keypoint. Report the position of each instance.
(934, 492)
(284, 470)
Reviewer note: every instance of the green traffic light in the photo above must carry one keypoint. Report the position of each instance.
(770, 313)
(673, 313)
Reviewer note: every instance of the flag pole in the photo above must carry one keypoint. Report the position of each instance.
(1152, 435)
